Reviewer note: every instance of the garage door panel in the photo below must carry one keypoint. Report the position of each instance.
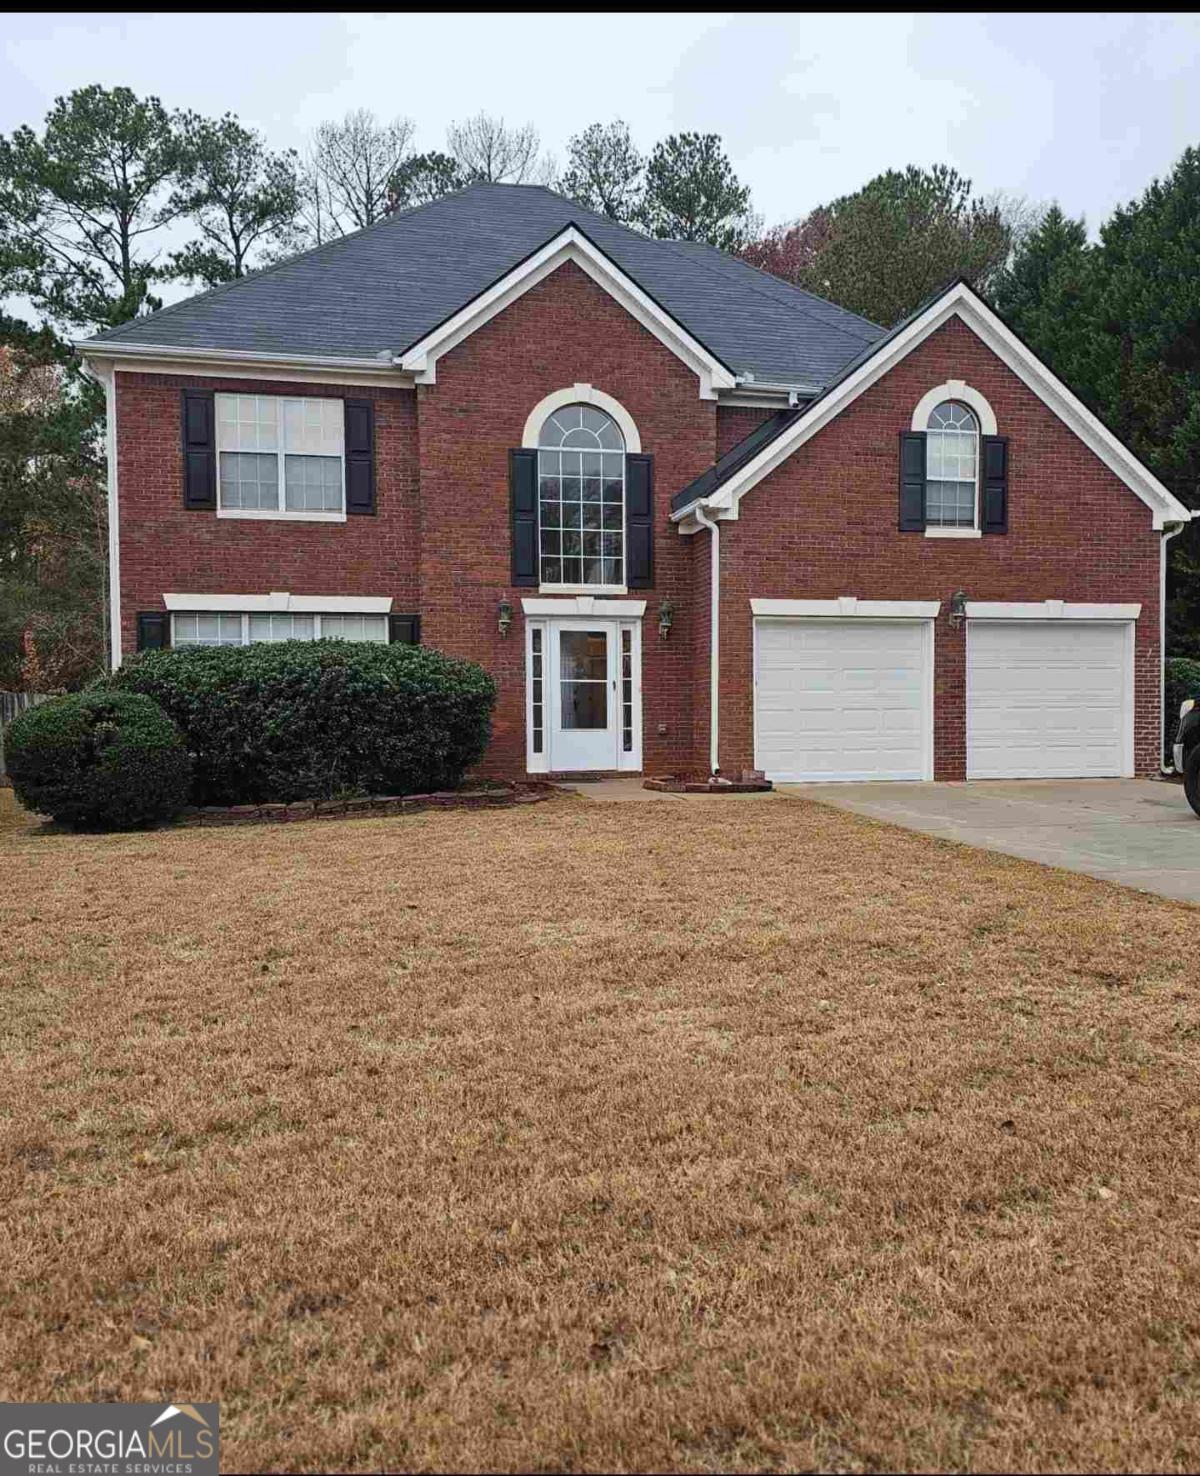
(1048, 700)
(841, 699)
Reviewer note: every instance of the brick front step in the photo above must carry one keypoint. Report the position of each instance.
(751, 782)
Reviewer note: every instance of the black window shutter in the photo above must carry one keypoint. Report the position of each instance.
(199, 450)
(523, 509)
(404, 630)
(912, 481)
(153, 630)
(995, 484)
(639, 522)
(360, 456)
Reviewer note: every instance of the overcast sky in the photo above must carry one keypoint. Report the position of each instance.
(1082, 109)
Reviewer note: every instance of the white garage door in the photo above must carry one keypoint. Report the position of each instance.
(1049, 699)
(843, 699)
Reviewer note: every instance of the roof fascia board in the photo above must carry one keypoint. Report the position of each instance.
(958, 301)
(237, 364)
(568, 245)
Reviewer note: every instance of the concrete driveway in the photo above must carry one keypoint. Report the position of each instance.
(1134, 831)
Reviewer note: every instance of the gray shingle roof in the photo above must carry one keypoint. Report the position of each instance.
(385, 287)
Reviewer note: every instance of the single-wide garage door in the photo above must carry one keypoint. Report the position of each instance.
(843, 699)
(1049, 699)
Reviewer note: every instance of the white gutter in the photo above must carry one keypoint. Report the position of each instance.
(383, 365)
(1169, 532)
(714, 660)
(105, 375)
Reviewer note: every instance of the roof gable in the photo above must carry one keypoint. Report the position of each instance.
(569, 245)
(961, 301)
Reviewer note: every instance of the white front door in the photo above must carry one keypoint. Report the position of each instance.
(584, 694)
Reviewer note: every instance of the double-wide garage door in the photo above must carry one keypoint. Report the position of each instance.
(853, 699)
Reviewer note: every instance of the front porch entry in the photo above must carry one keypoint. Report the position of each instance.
(583, 685)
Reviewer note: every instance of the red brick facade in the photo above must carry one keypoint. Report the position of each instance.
(823, 524)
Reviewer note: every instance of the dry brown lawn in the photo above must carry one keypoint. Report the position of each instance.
(692, 1136)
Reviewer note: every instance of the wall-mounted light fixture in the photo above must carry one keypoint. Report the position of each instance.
(504, 618)
(666, 616)
(958, 607)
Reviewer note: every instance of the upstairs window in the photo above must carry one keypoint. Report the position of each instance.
(280, 457)
(581, 490)
(951, 466)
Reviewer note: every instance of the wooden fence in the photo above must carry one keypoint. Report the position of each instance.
(12, 703)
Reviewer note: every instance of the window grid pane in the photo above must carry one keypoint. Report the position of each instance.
(581, 509)
(253, 434)
(952, 462)
(536, 685)
(206, 630)
(627, 691)
(249, 480)
(313, 483)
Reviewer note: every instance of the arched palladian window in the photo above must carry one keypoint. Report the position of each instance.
(581, 491)
(951, 466)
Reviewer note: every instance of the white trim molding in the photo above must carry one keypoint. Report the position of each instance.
(847, 606)
(279, 602)
(1048, 610)
(958, 301)
(280, 515)
(151, 358)
(580, 394)
(571, 244)
(586, 605)
(106, 375)
(954, 389)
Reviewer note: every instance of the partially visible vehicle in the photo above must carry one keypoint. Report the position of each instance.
(1187, 750)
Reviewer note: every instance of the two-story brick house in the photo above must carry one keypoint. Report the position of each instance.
(686, 514)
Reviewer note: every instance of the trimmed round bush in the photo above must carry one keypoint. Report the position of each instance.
(318, 719)
(99, 760)
(1183, 681)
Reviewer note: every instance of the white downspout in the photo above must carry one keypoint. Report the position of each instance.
(1168, 533)
(105, 375)
(714, 660)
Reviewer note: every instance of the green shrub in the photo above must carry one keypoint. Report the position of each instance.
(98, 760)
(315, 720)
(1183, 680)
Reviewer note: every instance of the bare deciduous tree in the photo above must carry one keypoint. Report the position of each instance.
(487, 151)
(346, 175)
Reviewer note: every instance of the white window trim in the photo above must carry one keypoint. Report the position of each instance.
(580, 394)
(848, 606)
(1049, 610)
(245, 616)
(585, 605)
(278, 603)
(280, 514)
(955, 389)
(284, 515)
(958, 389)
